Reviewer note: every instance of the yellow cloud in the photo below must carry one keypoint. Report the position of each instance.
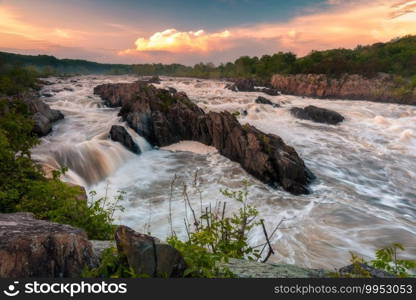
(346, 25)
(171, 40)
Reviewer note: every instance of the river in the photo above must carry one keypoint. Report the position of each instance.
(364, 196)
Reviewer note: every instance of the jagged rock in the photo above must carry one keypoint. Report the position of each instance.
(381, 88)
(317, 114)
(252, 269)
(163, 118)
(262, 100)
(373, 272)
(119, 134)
(35, 248)
(148, 255)
(251, 85)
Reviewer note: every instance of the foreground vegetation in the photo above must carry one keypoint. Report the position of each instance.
(23, 185)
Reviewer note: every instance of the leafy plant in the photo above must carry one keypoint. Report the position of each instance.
(215, 237)
(112, 265)
(387, 260)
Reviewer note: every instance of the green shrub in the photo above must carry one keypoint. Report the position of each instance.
(386, 260)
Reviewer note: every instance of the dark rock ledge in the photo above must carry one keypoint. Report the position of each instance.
(317, 114)
(164, 118)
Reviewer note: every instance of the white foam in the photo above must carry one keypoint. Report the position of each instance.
(191, 146)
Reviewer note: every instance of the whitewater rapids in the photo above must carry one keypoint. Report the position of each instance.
(364, 197)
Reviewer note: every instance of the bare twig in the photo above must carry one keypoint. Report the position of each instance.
(170, 203)
(268, 242)
(185, 194)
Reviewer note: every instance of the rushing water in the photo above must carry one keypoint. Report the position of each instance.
(364, 196)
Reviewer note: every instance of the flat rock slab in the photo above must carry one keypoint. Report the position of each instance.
(252, 269)
(36, 248)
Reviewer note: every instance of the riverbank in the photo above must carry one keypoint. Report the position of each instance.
(381, 88)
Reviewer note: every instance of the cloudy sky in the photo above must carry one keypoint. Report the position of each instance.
(191, 31)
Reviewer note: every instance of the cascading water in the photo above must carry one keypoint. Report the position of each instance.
(364, 196)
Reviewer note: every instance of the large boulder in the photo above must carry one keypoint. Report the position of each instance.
(43, 115)
(147, 255)
(35, 248)
(164, 118)
(119, 134)
(317, 114)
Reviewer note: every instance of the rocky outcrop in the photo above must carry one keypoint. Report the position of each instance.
(317, 114)
(163, 118)
(119, 134)
(147, 255)
(251, 85)
(262, 100)
(35, 248)
(382, 88)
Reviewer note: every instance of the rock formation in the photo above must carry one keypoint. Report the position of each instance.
(382, 88)
(317, 114)
(119, 134)
(35, 248)
(251, 85)
(147, 255)
(163, 118)
(262, 100)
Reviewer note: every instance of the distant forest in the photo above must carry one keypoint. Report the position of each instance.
(396, 57)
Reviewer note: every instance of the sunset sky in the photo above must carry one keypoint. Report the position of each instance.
(190, 31)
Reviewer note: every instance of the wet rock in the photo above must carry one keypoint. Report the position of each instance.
(119, 134)
(42, 126)
(172, 90)
(373, 272)
(35, 248)
(252, 85)
(163, 119)
(148, 255)
(43, 115)
(317, 114)
(252, 269)
(262, 100)
(47, 94)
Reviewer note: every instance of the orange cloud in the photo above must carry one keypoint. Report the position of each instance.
(347, 25)
(175, 41)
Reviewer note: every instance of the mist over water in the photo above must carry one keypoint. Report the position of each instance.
(364, 196)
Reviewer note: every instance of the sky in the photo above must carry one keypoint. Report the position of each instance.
(193, 31)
